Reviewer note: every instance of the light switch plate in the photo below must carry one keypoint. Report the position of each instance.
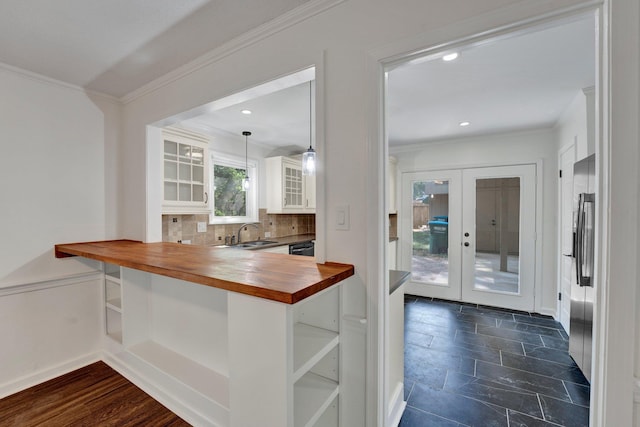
(342, 217)
(202, 227)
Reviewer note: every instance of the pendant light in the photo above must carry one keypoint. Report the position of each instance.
(309, 156)
(245, 181)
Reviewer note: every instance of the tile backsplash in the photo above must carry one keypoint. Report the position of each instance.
(184, 228)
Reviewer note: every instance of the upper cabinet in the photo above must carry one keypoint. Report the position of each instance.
(391, 184)
(288, 191)
(186, 172)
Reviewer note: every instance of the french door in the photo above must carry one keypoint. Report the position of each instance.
(469, 234)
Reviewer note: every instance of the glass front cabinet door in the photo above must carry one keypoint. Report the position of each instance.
(185, 181)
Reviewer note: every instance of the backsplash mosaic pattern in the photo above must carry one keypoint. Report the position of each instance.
(183, 228)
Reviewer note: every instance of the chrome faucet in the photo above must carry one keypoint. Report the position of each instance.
(256, 225)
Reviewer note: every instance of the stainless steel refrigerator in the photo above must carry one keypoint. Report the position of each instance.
(582, 288)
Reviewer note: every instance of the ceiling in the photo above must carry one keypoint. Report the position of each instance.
(518, 82)
(117, 46)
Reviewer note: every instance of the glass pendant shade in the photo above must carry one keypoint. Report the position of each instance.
(246, 183)
(309, 156)
(309, 162)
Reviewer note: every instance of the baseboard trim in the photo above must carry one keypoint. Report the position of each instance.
(47, 374)
(178, 400)
(397, 405)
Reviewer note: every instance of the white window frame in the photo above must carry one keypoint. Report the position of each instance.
(235, 161)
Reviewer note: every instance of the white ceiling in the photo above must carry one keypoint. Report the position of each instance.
(519, 82)
(117, 46)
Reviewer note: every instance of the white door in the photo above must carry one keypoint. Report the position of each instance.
(469, 234)
(430, 237)
(567, 159)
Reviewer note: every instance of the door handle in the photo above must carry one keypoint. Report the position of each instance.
(466, 243)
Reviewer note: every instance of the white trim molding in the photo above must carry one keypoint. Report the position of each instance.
(289, 19)
(54, 282)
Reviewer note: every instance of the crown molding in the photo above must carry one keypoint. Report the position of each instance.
(289, 19)
(41, 78)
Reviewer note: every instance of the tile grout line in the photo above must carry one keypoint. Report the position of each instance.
(568, 394)
(540, 404)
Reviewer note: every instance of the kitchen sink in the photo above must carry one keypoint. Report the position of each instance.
(259, 243)
(255, 243)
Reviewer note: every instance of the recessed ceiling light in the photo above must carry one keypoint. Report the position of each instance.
(450, 56)
(463, 124)
(247, 112)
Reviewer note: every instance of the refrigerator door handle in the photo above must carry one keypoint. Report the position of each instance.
(584, 234)
(579, 236)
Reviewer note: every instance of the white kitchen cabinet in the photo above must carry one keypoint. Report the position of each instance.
(186, 172)
(288, 191)
(310, 193)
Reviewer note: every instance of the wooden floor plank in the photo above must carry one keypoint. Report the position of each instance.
(95, 395)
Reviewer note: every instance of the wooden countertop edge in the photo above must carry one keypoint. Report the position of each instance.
(64, 251)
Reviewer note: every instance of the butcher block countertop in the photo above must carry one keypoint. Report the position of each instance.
(283, 278)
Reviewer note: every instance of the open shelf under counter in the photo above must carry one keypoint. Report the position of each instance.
(311, 344)
(209, 383)
(115, 304)
(113, 276)
(313, 394)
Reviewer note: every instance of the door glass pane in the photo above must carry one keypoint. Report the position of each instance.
(497, 255)
(430, 252)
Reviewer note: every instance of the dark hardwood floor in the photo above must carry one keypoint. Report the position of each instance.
(95, 395)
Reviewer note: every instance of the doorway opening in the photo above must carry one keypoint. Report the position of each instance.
(472, 237)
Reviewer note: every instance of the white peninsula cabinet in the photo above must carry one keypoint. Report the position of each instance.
(288, 191)
(218, 357)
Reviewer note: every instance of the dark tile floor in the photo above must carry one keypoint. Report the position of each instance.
(470, 365)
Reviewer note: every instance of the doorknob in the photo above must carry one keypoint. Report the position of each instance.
(493, 222)
(466, 243)
(466, 234)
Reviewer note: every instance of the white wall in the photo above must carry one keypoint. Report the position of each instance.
(576, 125)
(59, 184)
(497, 150)
(56, 145)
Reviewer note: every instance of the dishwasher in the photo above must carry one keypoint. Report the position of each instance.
(304, 248)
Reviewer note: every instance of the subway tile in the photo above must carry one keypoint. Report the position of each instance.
(580, 394)
(458, 408)
(544, 367)
(564, 413)
(533, 329)
(413, 417)
(510, 334)
(517, 419)
(485, 341)
(484, 311)
(555, 343)
(521, 379)
(494, 393)
(550, 354)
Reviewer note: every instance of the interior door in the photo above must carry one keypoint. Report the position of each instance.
(498, 236)
(469, 234)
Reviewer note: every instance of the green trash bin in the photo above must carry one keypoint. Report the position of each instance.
(438, 237)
